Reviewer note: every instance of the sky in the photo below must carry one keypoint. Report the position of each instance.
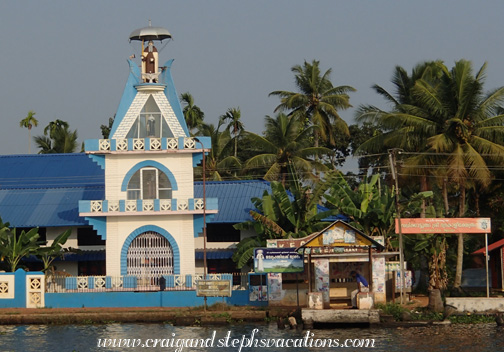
(67, 59)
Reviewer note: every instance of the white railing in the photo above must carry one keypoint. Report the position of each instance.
(62, 284)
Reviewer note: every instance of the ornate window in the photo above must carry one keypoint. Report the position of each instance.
(149, 183)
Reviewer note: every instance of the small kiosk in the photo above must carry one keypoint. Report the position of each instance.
(333, 254)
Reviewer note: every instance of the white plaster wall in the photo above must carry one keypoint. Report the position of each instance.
(180, 228)
(198, 244)
(476, 304)
(180, 165)
(53, 232)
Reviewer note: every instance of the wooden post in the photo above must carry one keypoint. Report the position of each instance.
(370, 282)
(309, 273)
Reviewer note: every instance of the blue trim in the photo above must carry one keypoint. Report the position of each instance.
(197, 158)
(128, 96)
(84, 206)
(198, 223)
(91, 145)
(99, 224)
(162, 232)
(148, 163)
(172, 96)
(99, 159)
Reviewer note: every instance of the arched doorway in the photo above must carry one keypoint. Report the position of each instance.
(149, 257)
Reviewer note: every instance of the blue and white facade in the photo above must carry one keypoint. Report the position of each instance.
(149, 216)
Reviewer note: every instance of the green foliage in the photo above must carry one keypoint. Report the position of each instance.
(472, 319)
(193, 115)
(394, 309)
(55, 250)
(57, 138)
(219, 162)
(316, 102)
(285, 150)
(283, 214)
(15, 246)
(370, 207)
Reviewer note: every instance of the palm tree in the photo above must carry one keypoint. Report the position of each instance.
(451, 124)
(219, 163)
(285, 144)
(397, 122)
(28, 122)
(192, 113)
(469, 131)
(317, 101)
(60, 140)
(235, 126)
(53, 126)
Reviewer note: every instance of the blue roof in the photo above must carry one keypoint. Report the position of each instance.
(44, 190)
(234, 198)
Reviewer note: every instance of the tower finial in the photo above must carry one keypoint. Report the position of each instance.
(150, 24)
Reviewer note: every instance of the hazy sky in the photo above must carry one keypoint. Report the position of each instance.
(67, 59)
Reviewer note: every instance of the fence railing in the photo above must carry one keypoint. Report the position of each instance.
(59, 284)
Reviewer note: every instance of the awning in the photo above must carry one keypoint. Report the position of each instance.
(214, 254)
(81, 256)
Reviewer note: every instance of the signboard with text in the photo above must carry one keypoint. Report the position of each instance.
(213, 288)
(277, 260)
(444, 225)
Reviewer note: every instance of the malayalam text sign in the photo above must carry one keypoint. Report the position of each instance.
(277, 260)
(444, 225)
(213, 288)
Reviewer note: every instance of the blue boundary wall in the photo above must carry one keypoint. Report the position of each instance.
(142, 299)
(19, 300)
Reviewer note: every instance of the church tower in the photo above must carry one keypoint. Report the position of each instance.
(149, 216)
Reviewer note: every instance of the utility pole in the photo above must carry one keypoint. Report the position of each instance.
(393, 169)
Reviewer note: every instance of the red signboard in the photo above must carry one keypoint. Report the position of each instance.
(444, 225)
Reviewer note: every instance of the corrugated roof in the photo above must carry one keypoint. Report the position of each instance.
(49, 171)
(234, 198)
(44, 190)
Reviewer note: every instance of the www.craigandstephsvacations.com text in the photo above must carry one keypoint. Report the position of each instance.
(253, 340)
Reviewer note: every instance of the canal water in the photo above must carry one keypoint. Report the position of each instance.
(266, 337)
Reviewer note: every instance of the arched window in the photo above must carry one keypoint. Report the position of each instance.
(149, 183)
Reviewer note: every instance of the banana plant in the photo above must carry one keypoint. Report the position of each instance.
(284, 214)
(55, 250)
(15, 246)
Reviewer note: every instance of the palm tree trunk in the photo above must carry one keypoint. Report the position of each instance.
(445, 196)
(460, 237)
(423, 188)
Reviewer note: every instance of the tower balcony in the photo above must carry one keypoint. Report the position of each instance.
(147, 207)
(111, 146)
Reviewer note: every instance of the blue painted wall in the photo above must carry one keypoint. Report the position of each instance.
(141, 299)
(19, 300)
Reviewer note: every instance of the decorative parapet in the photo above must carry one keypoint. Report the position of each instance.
(146, 207)
(104, 146)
